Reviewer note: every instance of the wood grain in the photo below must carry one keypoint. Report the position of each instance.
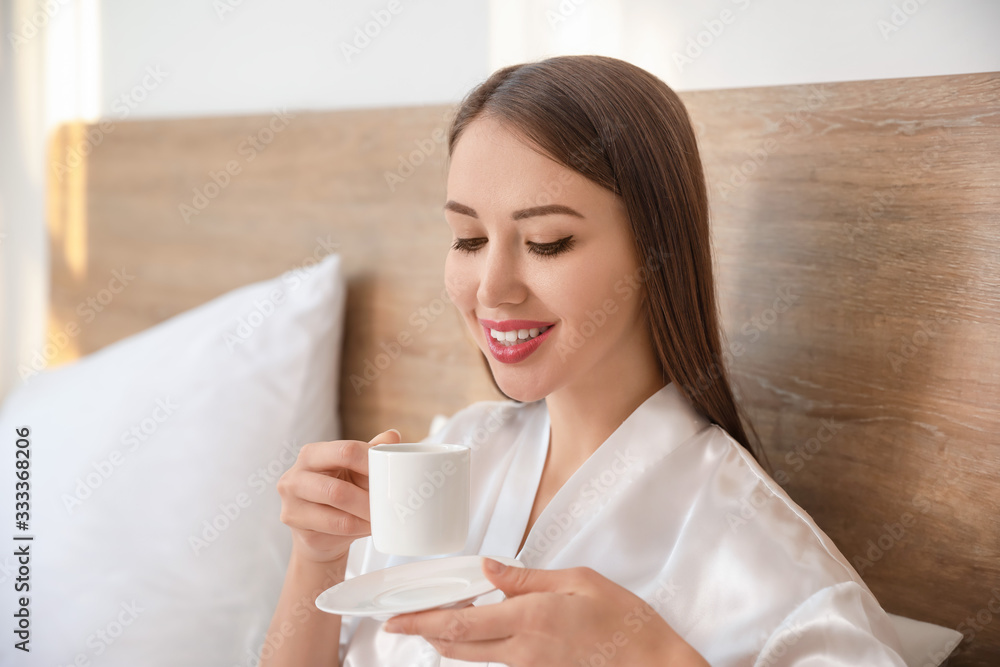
(857, 238)
(319, 186)
(871, 211)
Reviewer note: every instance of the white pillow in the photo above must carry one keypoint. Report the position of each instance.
(171, 551)
(924, 644)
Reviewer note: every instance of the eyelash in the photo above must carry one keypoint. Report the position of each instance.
(470, 246)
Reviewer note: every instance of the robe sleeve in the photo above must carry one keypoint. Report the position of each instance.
(841, 625)
(356, 558)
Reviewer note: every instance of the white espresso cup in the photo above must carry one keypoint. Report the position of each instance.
(419, 498)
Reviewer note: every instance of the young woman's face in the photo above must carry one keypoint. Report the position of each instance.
(543, 259)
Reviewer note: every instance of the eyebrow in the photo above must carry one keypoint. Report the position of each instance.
(548, 209)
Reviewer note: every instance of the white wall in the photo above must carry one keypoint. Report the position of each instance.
(698, 44)
(79, 58)
(265, 54)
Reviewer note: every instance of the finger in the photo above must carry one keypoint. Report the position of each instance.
(390, 437)
(323, 519)
(337, 454)
(490, 651)
(520, 580)
(347, 454)
(467, 624)
(333, 491)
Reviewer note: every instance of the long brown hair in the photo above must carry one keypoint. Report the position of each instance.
(627, 131)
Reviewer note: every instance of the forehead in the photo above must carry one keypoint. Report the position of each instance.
(492, 166)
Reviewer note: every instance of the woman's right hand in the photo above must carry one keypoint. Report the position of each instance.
(324, 497)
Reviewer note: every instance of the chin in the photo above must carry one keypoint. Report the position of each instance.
(525, 388)
(516, 382)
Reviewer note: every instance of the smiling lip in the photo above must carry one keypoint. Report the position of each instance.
(514, 325)
(519, 352)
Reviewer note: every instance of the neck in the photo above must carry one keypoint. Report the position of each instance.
(584, 414)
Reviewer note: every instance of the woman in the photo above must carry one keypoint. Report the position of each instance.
(623, 477)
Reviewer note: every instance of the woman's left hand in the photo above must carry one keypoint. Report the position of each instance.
(555, 618)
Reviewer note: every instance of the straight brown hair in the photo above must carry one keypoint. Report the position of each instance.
(626, 130)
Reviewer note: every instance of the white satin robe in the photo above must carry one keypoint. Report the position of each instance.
(672, 508)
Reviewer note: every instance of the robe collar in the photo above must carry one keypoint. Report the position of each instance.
(656, 428)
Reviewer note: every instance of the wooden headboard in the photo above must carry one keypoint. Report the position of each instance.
(857, 237)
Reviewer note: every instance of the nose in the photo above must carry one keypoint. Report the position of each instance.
(500, 281)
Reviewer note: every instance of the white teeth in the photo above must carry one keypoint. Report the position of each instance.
(514, 337)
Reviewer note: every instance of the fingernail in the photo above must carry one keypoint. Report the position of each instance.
(392, 626)
(400, 435)
(495, 567)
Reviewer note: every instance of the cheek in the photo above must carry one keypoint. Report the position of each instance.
(461, 281)
(598, 304)
(587, 287)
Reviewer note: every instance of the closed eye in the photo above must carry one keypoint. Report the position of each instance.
(471, 245)
(468, 245)
(549, 249)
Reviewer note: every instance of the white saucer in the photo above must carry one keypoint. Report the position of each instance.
(416, 586)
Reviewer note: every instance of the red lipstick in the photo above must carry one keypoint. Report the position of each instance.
(512, 354)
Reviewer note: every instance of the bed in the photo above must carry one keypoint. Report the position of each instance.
(856, 227)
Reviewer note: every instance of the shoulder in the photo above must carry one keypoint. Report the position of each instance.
(762, 546)
(758, 510)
